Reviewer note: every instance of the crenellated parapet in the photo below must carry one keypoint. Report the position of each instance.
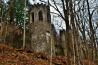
(39, 12)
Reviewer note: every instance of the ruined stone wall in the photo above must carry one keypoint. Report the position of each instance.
(61, 45)
(42, 35)
(7, 35)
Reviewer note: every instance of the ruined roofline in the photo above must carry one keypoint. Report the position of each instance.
(39, 5)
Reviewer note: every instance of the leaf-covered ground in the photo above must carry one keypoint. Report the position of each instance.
(11, 56)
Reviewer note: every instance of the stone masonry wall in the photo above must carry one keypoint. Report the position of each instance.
(42, 37)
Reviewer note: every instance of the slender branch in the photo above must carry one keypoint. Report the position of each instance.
(56, 8)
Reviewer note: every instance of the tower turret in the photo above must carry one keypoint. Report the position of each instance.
(42, 33)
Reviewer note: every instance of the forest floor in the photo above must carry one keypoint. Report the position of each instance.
(12, 56)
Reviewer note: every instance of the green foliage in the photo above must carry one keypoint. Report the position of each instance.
(4, 10)
(19, 12)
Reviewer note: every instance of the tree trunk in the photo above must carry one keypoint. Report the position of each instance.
(92, 33)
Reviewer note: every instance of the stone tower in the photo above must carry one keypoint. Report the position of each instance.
(42, 32)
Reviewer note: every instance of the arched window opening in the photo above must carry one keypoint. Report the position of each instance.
(33, 17)
(40, 16)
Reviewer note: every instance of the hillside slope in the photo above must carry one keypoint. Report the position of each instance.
(11, 56)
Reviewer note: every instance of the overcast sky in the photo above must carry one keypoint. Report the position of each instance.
(57, 21)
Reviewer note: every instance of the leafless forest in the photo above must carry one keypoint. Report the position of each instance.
(29, 36)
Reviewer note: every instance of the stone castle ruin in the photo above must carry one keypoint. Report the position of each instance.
(42, 29)
(42, 35)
